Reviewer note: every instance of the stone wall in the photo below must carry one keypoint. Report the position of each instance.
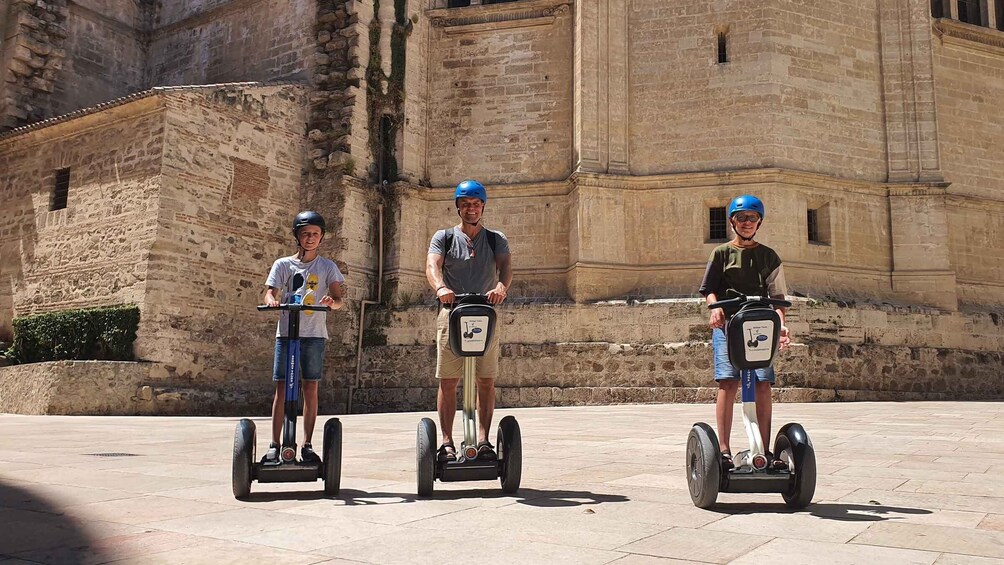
(969, 79)
(658, 351)
(232, 41)
(94, 251)
(106, 54)
(569, 355)
(500, 93)
(231, 172)
(800, 81)
(31, 53)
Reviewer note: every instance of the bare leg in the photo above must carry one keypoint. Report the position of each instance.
(764, 410)
(278, 410)
(486, 407)
(446, 404)
(724, 410)
(309, 392)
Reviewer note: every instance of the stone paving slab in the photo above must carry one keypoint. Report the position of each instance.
(898, 483)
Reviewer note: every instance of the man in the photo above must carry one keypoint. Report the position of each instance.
(467, 258)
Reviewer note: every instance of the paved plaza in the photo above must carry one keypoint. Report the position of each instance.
(898, 483)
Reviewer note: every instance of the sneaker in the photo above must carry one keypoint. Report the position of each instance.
(307, 454)
(272, 455)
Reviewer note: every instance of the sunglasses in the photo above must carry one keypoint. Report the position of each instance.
(746, 218)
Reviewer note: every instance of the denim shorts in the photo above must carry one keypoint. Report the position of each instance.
(723, 369)
(311, 358)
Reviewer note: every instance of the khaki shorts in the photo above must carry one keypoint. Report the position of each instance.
(451, 366)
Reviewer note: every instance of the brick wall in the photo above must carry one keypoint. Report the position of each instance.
(231, 165)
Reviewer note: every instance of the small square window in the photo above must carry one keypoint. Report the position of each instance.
(61, 189)
(817, 222)
(717, 224)
(458, 3)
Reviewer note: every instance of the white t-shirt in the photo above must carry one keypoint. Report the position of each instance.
(317, 276)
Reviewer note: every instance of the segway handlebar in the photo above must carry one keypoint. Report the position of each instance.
(294, 307)
(469, 298)
(741, 300)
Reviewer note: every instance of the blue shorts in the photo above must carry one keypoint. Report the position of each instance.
(723, 369)
(311, 358)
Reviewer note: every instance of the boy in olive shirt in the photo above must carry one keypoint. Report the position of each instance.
(749, 268)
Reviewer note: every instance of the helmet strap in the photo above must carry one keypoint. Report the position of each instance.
(464, 222)
(740, 236)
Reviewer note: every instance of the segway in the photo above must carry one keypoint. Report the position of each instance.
(288, 469)
(471, 327)
(752, 335)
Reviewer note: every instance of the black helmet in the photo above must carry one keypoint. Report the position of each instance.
(308, 218)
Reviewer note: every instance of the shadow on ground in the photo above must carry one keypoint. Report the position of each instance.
(528, 496)
(826, 510)
(35, 530)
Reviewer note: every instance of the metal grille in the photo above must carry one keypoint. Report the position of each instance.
(717, 223)
(113, 454)
(61, 190)
(813, 223)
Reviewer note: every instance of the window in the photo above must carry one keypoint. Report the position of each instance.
(61, 190)
(973, 12)
(458, 3)
(723, 54)
(939, 9)
(999, 11)
(817, 221)
(717, 223)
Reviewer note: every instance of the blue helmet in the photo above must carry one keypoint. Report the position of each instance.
(471, 189)
(746, 203)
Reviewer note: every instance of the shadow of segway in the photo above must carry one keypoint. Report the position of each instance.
(825, 510)
(527, 496)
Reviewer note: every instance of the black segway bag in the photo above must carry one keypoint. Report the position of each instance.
(471, 329)
(752, 336)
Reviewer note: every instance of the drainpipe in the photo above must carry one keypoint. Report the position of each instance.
(362, 311)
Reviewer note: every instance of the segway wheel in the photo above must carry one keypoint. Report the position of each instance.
(425, 456)
(704, 465)
(509, 443)
(244, 454)
(793, 446)
(332, 465)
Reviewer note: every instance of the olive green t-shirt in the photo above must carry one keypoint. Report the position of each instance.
(753, 271)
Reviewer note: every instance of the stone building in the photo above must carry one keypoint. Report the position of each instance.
(153, 152)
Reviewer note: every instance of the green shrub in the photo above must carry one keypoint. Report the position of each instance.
(93, 333)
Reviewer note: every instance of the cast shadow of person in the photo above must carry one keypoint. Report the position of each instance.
(37, 530)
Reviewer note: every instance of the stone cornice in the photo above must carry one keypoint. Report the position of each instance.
(485, 17)
(976, 202)
(685, 181)
(967, 35)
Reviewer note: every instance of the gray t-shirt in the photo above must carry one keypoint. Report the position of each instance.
(317, 275)
(469, 265)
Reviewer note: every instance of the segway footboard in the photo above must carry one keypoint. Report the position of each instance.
(288, 473)
(476, 470)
